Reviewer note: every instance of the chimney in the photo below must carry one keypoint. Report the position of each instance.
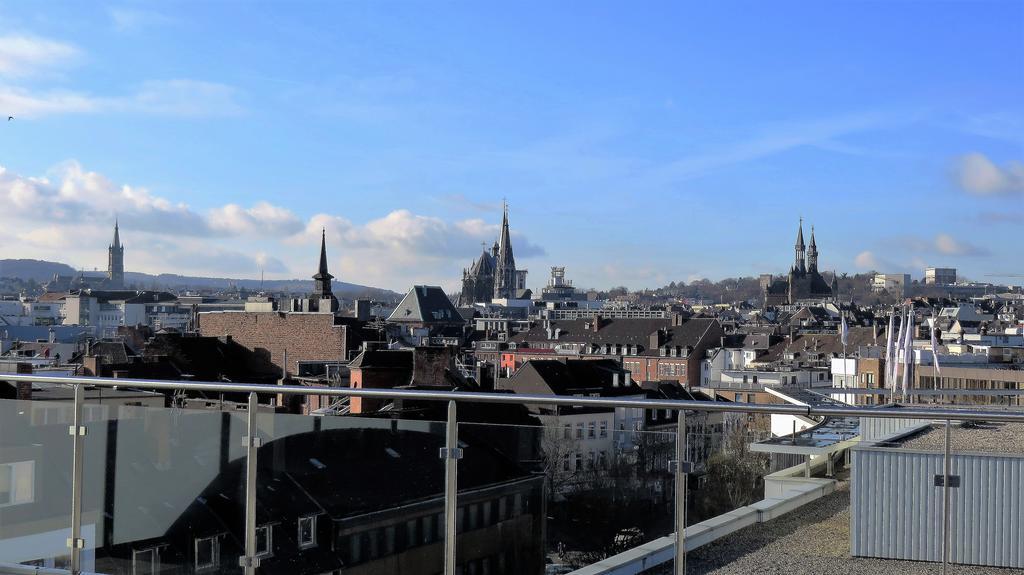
(597, 323)
(362, 311)
(23, 389)
(656, 339)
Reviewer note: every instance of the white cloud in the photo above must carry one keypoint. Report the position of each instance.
(22, 55)
(771, 139)
(408, 236)
(866, 260)
(46, 237)
(978, 175)
(179, 97)
(262, 218)
(67, 215)
(70, 194)
(948, 245)
(135, 20)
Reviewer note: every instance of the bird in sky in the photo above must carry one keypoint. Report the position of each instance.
(9, 118)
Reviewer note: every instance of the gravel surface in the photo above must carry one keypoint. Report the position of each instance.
(814, 539)
(975, 437)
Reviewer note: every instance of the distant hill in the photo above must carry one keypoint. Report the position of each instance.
(37, 270)
(42, 271)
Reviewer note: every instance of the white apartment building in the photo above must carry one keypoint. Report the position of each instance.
(892, 283)
(108, 311)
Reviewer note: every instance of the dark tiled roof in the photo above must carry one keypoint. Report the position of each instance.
(620, 331)
(552, 376)
(828, 344)
(384, 359)
(426, 304)
(113, 351)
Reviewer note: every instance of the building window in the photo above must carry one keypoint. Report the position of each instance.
(207, 553)
(591, 460)
(671, 369)
(307, 532)
(602, 459)
(568, 431)
(604, 429)
(17, 483)
(264, 541)
(389, 540)
(566, 462)
(592, 430)
(411, 533)
(145, 562)
(355, 548)
(579, 430)
(428, 529)
(579, 462)
(503, 508)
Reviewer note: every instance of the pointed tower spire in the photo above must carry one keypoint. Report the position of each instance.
(505, 262)
(115, 261)
(812, 254)
(323, 277)
(323, 252)
(800, 264)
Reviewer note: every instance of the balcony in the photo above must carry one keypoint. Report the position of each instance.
(106, 483)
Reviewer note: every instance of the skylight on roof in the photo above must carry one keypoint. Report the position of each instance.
(317, 463)
(392, 452)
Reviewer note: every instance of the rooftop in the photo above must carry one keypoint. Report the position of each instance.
(1007, 438)
(813, 540)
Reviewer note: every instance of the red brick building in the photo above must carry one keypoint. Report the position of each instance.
(650, 349)
(274, 335)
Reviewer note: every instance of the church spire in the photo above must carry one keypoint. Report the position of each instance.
(505, 262)
(812, 254)
(801, 249)
(323, 277)
(115, 261)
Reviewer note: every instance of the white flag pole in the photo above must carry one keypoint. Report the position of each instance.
(897, 353)
(908, 352)
(888, 344)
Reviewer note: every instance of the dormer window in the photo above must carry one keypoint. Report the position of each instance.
(307, 532)
(207, 553)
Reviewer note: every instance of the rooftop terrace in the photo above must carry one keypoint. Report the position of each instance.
(814, 540)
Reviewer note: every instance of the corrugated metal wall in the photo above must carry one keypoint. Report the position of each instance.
(874, 428)
(896, 510)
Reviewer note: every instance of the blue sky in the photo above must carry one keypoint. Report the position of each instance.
(636, 144)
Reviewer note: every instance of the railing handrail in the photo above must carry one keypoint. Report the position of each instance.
(530, 399)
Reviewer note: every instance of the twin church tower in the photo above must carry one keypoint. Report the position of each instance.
(804, 281)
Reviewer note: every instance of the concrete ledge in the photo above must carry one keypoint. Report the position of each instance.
(799, 492)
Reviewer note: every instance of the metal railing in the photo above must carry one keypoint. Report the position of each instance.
(451, 453)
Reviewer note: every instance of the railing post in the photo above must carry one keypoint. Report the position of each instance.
(77, 432)
(451, 454)
(946, 472)
(680, 493)
(251, 441)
